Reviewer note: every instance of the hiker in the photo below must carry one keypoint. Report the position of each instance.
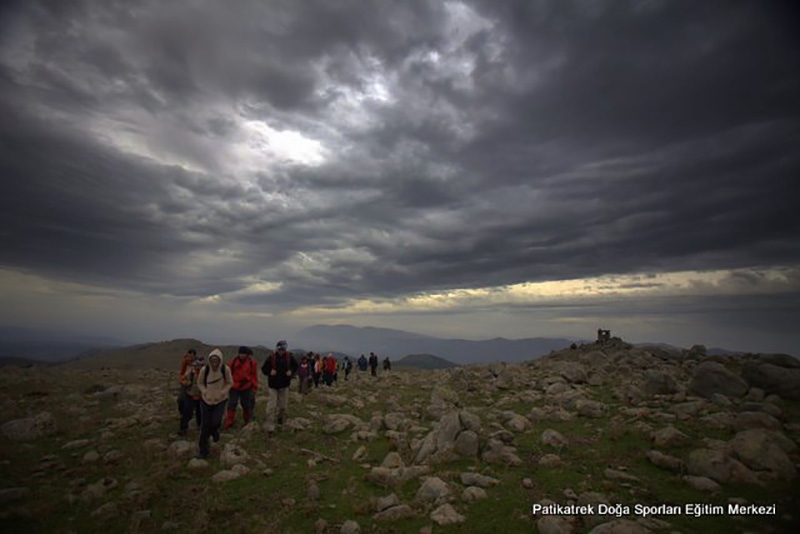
(190, 404)
(373, 363)
(304, 375)
(362, 363)
(348, 366)
(279, 368)
(186, 363)
(244, 370)
(330, 369)
(215, 382)
(387, 365)
(317, 362)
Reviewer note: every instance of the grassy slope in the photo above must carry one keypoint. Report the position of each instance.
(258, 504)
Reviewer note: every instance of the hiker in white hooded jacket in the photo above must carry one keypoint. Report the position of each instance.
(215, 383)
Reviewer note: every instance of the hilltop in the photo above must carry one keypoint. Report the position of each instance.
(468, 449)
(424, 361)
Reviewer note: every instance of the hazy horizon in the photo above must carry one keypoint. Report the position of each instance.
(465, 169)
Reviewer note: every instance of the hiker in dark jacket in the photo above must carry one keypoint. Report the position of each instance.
(279, 367)
(362, 363)
(190, 403)
(373, 363)
(348, 366)
(387, 364)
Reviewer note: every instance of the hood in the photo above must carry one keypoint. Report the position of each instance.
(216, 352)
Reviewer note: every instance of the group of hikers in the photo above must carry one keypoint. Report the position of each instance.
(211, 390)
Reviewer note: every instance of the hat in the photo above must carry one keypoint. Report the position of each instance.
(244, 350)
(281, 344)
(216, 353)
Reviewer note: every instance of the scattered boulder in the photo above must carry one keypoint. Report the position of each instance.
(590, 408)
(497, 452)
(225, 476)
(773, 379)
(760, 451)
(659, 383)
(393, 460)
(394, 513)
(553, 524)
(350, 527)
(669, 437)
(181, 448)
(232, 455)
(75, 444)
(30, 428)
(712, 377)
(702, 483)
(718, 466)
(476, 479)
(196, 464)
(473, 493)
(384, 503)
(748, 420)
(447, 515)
(664, 461)
(553, 438)
(432, 490)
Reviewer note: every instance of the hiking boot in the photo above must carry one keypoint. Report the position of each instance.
(215, 436)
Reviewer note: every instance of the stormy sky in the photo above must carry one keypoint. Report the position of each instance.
(238, 170)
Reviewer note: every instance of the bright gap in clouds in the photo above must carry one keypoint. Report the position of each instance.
(683, 283)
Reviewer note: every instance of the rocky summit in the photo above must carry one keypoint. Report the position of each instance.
(598, 438)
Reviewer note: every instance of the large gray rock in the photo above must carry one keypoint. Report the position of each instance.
(553, 524)
(447, 515)
(432, 490)
(466, 444)
(476, 479)
(620, 526)
(664, 461)
(497, 452)
(442, 443)
(718, 466)
(713, 377)
(748, 420)
(704, 484)
(225, 476)
(783, 381)
(350, 527)
(553, 438)
(669, 437)
(590, 408)
(30, 428)
(759, 450)
(394, 513)
(659, 383)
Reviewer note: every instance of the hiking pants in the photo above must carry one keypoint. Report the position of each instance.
(328, 378)
(374, 369)
(277, 402)
(211, 418)
(246, 398)
(189, 407)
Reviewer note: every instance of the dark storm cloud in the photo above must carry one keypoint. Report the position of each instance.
(465, 146)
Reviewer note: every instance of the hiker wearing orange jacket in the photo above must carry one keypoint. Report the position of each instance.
(244, 370)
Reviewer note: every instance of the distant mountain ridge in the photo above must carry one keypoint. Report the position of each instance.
(424, 361)
(398, 343)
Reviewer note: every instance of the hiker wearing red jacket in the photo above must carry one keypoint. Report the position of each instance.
(330, 368)
(244, 370)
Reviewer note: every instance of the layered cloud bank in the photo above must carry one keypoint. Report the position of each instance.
(301, 161)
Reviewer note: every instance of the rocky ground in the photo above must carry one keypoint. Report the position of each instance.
(460, 450)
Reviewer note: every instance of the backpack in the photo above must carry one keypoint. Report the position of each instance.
(207, 370)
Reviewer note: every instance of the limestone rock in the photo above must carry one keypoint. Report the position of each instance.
(659, 383)
(553, 438)
(590, 408)
(360, 454)
(393, 460)
(196, 464)
(748, 420)
(30, 428)
(702, 483)
(773, 379)
(476, 479)
(473, 493)
(432, 490)
(664, 461)
(394, 513)
(180, 448)
(620, 526)
(712, 377)
(447, 515)
(718, 466)
(553, 524)
(497, 452)
(232, 455)
(669, 437)
(350, 527)
(384, 503)
(759, 450)
(225, 476)
(75, 444)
